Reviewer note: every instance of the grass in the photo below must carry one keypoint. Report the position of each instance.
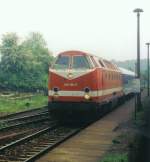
(11, 106)
(118, 151)
(115, 157)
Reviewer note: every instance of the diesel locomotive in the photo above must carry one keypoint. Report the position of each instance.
(81, 84)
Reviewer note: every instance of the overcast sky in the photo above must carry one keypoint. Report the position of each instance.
(106, 28)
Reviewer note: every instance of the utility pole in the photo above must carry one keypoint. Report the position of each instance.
(138, 11)
(147, 68)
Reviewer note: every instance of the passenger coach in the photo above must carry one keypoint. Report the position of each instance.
(128, 80)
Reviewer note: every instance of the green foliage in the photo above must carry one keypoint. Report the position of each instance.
(24, 66)
(115, 157)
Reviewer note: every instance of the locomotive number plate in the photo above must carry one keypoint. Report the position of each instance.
(71, 84)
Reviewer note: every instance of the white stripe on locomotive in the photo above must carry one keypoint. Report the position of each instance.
(82, 93)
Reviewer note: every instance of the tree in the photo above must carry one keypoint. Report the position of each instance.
(24, 65)
(41, 58)
(37, 45)
(9, 61)
(9, 52)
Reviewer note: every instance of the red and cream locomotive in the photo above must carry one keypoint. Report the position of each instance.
(81, 83)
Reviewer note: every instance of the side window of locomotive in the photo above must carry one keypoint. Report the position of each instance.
(100, 62)
(62, 62)
(94, 62)
(80, 62)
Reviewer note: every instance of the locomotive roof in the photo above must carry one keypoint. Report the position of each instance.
(126, 71)
(76, 52)
(73, 52)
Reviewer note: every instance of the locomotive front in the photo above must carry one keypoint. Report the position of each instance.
(72, 85)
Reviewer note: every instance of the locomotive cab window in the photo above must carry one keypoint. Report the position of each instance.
(62, 62)
(80, 62)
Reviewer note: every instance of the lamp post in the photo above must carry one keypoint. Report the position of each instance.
(138, 11)
(147, 68)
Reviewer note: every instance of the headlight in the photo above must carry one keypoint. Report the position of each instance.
(87, 96)
(55, 95)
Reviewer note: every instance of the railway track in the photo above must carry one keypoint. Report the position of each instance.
(16, 128)
(10, 136)
(24, 113)
(23, 120)
(33, 146)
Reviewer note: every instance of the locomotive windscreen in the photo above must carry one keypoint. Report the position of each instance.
(62, 62)
(80, 62)
(71, 62)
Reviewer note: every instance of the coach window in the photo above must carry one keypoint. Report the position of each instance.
(80, 62)
(62, 62)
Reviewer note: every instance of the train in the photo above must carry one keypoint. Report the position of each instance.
(82, 85)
